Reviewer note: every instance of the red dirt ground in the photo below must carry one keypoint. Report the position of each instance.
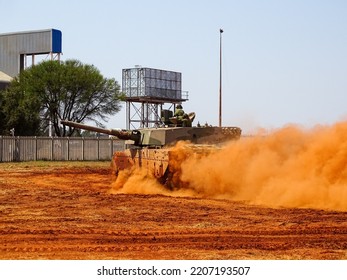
(65, 211)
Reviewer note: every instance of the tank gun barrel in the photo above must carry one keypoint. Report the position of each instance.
(121, 134)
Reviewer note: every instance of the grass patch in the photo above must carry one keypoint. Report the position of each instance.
(54, 164)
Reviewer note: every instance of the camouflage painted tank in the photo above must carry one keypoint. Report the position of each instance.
(152, 148)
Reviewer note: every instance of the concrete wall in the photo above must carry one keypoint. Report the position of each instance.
(57, 148)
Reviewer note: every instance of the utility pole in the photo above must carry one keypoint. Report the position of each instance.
(220, 77)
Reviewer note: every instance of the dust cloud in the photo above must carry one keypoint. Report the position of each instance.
(135, 181)
(289, 167)
(138, 181)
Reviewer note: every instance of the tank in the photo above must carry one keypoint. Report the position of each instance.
(153, 149)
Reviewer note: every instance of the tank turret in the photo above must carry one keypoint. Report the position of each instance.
(163, 136)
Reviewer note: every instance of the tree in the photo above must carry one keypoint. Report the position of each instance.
(51, 91)
(19, 111)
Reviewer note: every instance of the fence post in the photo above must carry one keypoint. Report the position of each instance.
(1, 148)
(68, 148)
(82, 148)
(16, 149)
(98, 147)
(35, 154)
(52, 147)
(111, 156)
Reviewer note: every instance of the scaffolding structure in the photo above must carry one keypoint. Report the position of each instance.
(147, 90)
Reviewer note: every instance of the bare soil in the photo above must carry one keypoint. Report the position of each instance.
(65, 211)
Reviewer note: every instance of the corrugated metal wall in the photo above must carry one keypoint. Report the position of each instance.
(12, 45)
(52, 148)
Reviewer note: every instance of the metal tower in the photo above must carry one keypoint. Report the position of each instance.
(147, 90)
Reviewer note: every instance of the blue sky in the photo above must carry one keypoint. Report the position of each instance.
(283, 61)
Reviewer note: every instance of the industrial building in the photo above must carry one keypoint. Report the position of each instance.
(4, 80)
(19, 47)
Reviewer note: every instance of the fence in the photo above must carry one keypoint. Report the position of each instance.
(56, 148)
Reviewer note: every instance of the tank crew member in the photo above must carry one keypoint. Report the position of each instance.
(179, 113)
(182, 117)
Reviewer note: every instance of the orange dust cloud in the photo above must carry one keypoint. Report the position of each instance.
(136, 181)
(290, 167)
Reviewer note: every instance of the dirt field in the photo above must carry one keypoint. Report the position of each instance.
(65, 211)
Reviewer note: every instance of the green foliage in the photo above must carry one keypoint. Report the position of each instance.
(20, 111)
(53, 90)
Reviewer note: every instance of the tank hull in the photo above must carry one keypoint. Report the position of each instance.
(163, 164)
(155, 161)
